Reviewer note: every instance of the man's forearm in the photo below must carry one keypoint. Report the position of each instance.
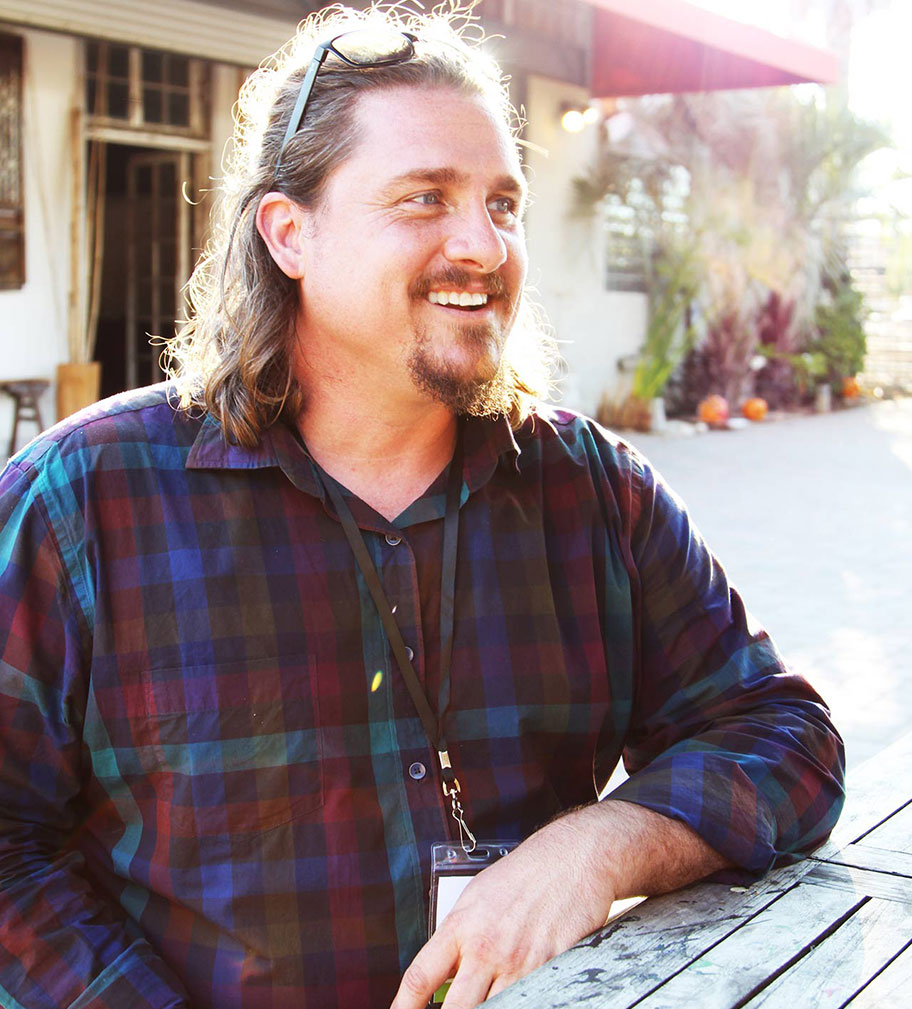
(639, 852)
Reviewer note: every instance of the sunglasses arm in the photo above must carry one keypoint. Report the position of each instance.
(303, 97)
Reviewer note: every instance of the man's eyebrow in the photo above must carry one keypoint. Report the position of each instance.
(454, 177)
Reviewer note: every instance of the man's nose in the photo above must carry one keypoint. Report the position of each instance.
(474, 241)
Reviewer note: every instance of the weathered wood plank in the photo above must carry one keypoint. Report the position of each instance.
(732, 971)
(876, 789)
(622, 963)
(894, 834)
(863, 856)
(891, 988)
(861, 881)
(836, 969)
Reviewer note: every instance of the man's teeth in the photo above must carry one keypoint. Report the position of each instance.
(461, 298)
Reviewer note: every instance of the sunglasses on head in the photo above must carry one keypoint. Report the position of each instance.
(364, 48)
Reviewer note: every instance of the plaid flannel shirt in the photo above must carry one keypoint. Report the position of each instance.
(214, 788)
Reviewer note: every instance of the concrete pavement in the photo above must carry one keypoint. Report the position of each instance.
(811, 517)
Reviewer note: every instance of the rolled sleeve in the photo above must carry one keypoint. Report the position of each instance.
(723, 737)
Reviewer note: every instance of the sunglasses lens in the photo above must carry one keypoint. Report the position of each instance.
(370, 48)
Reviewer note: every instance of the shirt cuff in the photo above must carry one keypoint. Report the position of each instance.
(713, 795)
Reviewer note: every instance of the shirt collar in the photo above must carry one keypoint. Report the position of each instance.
(278, 446)
(485, 442)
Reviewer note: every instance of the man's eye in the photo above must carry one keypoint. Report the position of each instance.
(426, 199)
(503, 205)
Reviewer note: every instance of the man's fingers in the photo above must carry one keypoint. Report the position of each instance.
(470, 987)
(504, 981)
(434, 964)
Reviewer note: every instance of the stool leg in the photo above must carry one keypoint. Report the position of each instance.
(37, 414)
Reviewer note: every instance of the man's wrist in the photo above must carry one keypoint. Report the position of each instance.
(634, 851)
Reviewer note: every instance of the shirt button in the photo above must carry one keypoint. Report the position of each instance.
(417, 770)
(410, 653)
(393, 541)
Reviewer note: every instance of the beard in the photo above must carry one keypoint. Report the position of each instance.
(483, 394)
(486, 391)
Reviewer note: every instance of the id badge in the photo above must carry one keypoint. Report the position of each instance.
(452, 869)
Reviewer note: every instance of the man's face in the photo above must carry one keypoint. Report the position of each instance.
(415, 257)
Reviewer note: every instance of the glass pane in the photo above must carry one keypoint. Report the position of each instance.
(119, 61)
(152, 66)
(179, 108)
(118, 100)
(91, 95)
(144, 179)
(152, 105)
(166, 300)
(178, 70)
(92, 56)
(168, 253)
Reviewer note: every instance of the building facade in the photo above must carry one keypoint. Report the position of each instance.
(113, 119)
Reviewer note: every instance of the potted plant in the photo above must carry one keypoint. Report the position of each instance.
(669, 332)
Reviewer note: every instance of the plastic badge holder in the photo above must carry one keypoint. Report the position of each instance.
(452, 869)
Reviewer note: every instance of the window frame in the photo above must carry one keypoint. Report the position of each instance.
(197, 93)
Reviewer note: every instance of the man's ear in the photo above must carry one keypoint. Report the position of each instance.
(281, 222)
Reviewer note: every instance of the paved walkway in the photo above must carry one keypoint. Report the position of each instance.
(812, 519)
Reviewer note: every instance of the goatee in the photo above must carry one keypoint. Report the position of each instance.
(480, 395)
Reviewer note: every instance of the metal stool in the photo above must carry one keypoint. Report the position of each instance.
(25, 393)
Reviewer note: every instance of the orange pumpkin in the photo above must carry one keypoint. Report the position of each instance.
(850, 388)
(755, 408)
(713, 411)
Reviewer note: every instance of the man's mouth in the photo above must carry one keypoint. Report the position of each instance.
(458, 299)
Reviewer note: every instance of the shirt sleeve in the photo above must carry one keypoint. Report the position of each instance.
(61, 943)
(723, 736)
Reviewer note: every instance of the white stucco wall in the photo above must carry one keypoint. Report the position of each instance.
(33, 319)
(595, 327)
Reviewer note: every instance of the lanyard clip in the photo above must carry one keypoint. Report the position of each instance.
(451, 790)
(450, 781)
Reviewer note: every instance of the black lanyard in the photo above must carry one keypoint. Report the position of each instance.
(433, 727)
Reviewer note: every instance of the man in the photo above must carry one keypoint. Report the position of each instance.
(250, 619)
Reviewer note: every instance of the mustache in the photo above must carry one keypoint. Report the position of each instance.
(453, 276)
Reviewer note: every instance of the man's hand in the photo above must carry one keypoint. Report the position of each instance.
(550, 892)
(516, 914)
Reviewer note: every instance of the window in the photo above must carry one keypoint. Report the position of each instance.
(637, 224)
(630, 246)
(144, 88)
(12, 225)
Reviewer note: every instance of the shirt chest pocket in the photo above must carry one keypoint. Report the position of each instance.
(227, 750)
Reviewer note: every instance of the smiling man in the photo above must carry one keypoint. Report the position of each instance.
(346, 590)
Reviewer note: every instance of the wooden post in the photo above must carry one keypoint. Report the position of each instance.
(76, 314)
(78, 385)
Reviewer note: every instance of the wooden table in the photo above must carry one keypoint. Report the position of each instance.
(832, 931)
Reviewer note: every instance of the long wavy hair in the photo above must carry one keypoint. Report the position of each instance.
(233, 357)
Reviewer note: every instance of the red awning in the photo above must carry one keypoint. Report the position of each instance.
(644, 47)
